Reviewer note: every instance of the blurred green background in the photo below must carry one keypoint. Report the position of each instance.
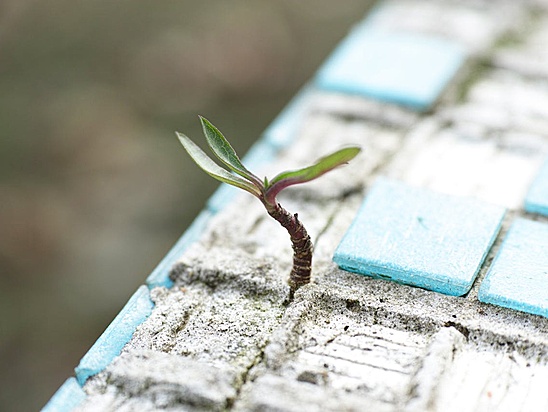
(94, 186)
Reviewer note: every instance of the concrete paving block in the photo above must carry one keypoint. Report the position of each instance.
(232, 271)
(500, 104)
(68, 397)
(421, 238)
(543, 4)
(476, 26)
(117, 334)
(214, 322)
(160, 275)
(523, 101)
(376, 362)
(491, 381)
(395, 306)
(329, 348)
(221, 309)
(362, 108)
(331, 358)
(440, 347)
(228, 327)
(518, 278)
(276, 393)
(536, 200)
(528, 56)
(160, 381)
(396, 349)
(402, 68)
(497, 171)
(436, 363)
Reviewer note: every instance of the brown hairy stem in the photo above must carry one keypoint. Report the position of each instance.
(301, 243)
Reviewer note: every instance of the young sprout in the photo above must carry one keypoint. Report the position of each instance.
(266, 190)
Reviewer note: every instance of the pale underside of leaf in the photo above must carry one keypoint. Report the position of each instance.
(224, 151)
(213, 169)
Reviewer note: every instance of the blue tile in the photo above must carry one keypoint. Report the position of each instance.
(536, 200)
(282, 131)
(403, 68)
(160, 275)
(221, 197)
(420, 238)
(259, 154)
(117, 334)
(69, 396)
(518, 277)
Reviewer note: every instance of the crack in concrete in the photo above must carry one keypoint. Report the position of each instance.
(245, 377)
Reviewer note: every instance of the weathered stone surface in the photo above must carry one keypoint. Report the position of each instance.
(437, 363)
(501, 102)
(149, 380)
(449, 160)
(360, 108)
(526, 55)
(383, 345)
(275, 393)
(475, 24)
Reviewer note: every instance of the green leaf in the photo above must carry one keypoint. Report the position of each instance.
(213, 169)
(322, 166)
(224, 151)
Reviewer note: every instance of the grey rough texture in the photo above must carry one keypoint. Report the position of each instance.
(153, 380)
(476, 25)
(225, 337)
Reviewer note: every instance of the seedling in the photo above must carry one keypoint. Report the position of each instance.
(266, 190)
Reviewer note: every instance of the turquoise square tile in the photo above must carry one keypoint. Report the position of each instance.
(67, 398)
(536, 200)
(518, 277)
(397, 67)
(418, 237)
(283, 130)
(116, 335)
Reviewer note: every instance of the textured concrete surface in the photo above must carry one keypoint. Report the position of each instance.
(225, 337)
(346, 342)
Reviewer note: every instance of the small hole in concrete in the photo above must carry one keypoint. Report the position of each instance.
(308, 376)
(353, 305)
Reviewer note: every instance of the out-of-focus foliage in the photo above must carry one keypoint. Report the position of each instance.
(91, 194)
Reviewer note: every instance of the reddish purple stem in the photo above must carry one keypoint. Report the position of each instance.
(301, 243)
